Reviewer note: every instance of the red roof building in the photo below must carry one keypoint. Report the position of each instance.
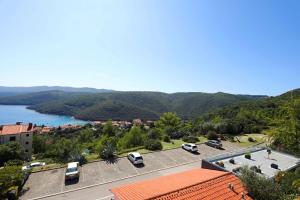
(194, 184)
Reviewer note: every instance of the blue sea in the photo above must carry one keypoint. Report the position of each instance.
(10, 114)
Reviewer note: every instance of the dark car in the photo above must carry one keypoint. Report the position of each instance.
(214, 143)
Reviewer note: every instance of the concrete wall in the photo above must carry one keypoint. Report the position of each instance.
(25, 139)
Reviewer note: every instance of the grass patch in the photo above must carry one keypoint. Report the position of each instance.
(256, 136)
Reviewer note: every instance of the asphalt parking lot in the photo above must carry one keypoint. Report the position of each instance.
(53, 181)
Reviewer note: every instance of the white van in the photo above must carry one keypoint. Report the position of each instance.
(72, 171)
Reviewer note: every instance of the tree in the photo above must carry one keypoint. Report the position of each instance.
(212, 135)
(11, 151)
(86, 135)
(108, 128)
(169, 122)
(260, 187)
(133, 138)
(10, 176)
(39, 144)
(153, 145)
(288, 135)
(106, 147)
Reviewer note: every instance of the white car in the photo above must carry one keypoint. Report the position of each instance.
(135, 158)
(32, 165)
(72, 171)
(190, 147)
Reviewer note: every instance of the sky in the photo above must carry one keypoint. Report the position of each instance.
(234, 46)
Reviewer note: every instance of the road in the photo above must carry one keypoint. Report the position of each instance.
(97, 178)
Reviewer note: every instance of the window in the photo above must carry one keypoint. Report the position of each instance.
(27, 135)
(12, 138)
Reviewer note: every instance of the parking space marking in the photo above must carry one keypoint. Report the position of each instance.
(63, 183)
(82, 172)
(103, 198)
(101, 176)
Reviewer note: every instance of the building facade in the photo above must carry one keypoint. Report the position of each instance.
(22, 133)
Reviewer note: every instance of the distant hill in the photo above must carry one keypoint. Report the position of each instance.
(125, 105)
(11, 91)
(254, 116)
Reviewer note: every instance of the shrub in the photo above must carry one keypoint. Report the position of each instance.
(260, 187)
(221, 164)
(250, 139)
(190, 139)
(176, 135)
(212, 135)
(167, 138)
(248, 156)
(232, 161)
(256, 169)
(153, 145)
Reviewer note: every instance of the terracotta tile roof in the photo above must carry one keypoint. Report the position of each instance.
(15, 129)
(194, 184)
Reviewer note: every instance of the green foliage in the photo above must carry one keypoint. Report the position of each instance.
(135, 137)
(169, 123)
(125, 105)
(154, 133)
(39, 143)
(248, 155)
(190, 139)
(212, 135)
(106, 147)
(259, 187)
(10, 176)
(11, 151)
(109, 129)
(153, 145)
(167, 138)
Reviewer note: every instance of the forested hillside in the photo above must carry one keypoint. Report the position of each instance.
(277, 116)
(125, 105)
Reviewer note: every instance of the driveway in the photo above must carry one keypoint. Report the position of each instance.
(100, 173)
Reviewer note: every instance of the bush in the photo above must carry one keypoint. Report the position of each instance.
(190, 139)
(153, 145)
(212, 135)
(221, 164)
(176, 135)
(256, 169)
(167, 138)
(260, 187)
(232, 161)
(250, 139)
(248, 156)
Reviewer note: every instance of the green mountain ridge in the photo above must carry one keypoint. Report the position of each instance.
(125, 105)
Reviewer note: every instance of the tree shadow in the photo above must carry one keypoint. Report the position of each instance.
(112, 160)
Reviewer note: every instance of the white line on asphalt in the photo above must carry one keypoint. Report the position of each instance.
(82, 172)
(105, 197)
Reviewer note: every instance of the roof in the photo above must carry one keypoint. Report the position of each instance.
(72, 164)
(136, 154)
(193, 184)
(15, 129)
(259, 158)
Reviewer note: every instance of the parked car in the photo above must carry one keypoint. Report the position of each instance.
(135, 158)
(190, 147)
(72, 171)
(32, 165)
(214, 143)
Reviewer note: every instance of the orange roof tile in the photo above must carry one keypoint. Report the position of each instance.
(194, 184)
(14, 129)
